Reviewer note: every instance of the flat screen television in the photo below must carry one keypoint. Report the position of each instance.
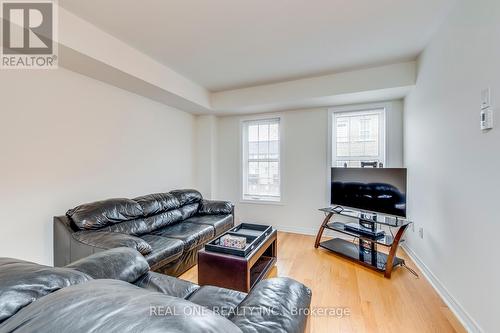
(379, 190)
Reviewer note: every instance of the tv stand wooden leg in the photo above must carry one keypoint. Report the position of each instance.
(392, 251)
(321, 229)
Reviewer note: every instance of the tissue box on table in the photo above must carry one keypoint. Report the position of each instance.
(233, 241)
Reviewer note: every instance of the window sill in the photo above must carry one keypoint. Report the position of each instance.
(262, 202)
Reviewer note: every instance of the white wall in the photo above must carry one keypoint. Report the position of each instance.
(66, 139)
(394, 134)
(206, 151)
(305, 171)
(453, 167)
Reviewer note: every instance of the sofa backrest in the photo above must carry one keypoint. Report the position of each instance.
(98, 214)
(121, 263)
(136, 216)
(23, 282)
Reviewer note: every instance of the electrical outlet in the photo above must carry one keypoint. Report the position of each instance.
(421, 232)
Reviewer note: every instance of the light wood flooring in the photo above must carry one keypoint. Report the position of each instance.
(403, 303)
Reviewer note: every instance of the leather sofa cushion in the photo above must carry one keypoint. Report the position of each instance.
(23, 282)
(186, 197)
(154, 222)
(157, 203)
(167, 285)
(212, 207)
(134, 227)
(288, 299)
(108, 240)
(220, 300)
(164, 250)
(121, 263)
(158, 221)
(99, 214)
(221, 223)
(114, 306)
(191, 234)
(189, 210)
(146, 225)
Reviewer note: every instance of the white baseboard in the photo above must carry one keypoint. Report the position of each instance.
(467, 321)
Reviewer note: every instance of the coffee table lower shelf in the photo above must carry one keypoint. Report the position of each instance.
(372, 259)
(261, 269)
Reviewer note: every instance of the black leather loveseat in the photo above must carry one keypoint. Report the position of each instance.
(167, 228)
(113, 291)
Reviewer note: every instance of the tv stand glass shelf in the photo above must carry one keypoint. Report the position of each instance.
(365, 250)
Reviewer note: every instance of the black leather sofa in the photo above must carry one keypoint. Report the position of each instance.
(167, 228)
(114, 291)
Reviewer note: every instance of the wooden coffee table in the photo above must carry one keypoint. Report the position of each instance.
(234, 272)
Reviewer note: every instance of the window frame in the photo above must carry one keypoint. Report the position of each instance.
(354, 111)
(244, 198)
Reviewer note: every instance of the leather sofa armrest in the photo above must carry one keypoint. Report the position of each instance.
(121, 263)
(109, 240)
(214, 207)
(62, 241)
(166, 284)
(274, 305)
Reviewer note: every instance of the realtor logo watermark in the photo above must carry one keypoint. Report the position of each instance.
(28, 32)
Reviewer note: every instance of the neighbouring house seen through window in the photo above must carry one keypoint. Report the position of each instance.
(358, 138)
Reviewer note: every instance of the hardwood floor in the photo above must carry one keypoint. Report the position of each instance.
(376, 304)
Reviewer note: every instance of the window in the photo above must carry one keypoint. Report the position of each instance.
(261, 160)
(358, 137)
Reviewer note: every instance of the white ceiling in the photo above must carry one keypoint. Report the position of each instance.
(227, 44)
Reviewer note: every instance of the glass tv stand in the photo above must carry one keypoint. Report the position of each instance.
(365, 250)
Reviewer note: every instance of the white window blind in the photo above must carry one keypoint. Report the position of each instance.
(358, 138)
(261, 160)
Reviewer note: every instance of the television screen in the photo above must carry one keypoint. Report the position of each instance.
(381, 190)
